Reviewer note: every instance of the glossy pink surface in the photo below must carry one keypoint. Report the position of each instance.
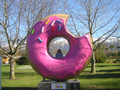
(74, 61)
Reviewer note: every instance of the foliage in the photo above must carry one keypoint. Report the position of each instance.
(118, 53)
(118, 60)
(23, 54)
(102, 58)
(108, 54)
(3, 62)
(106, 48)
(100, 55)
(112, 46)
(22, 61)
(112, 55)
(115, 54)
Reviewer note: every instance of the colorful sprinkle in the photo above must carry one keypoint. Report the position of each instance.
(53, 23)
(53, 28)
(59, 21)
(59, 28)
(80, 62)
(40, 40)
(74, 40)
(42, 29)
(47, 21)
(32, 31)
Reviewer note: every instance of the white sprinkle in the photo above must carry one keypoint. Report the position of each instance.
(42, 29)
(80, 62)
(53, 23)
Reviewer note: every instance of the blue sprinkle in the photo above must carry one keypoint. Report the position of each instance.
(59, 28)
(40, 40)
(59, 21)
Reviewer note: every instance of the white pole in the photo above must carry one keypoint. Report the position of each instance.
(0, 71)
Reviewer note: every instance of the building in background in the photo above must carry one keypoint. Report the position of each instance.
(5, 58)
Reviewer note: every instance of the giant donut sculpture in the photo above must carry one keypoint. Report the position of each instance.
(49, 67)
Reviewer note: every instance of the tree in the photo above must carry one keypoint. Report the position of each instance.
(112, 46)
(106, 51)
(106, 48)
(100, 54)
(16, 20)
(98, 17)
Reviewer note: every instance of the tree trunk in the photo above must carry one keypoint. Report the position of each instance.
(12, 72)
(93, 63)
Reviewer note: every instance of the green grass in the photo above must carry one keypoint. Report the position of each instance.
(106, 78)
(110, 59)
(26, 79)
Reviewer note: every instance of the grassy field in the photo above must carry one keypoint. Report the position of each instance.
(107, 77)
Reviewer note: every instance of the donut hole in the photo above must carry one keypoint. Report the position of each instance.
(58, 43)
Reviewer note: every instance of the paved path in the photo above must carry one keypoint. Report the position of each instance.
(25, 67)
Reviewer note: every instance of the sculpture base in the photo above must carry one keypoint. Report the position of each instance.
(62, 85)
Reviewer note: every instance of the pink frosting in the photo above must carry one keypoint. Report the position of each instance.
(74, 61)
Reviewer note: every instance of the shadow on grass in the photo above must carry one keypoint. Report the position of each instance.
(113, 70)
(26, 74)
(89, 87)
(19, 88)
(107, 65)
(4, 65)
(113, 75)
(28, 88)
(20, 74)
(104, 65)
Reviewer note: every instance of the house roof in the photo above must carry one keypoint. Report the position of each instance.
(3, 56)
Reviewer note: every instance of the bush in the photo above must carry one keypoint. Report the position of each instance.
(3, 62)
(22, 61)
(102, 58)
(100, 55)
(118, 60)
(118, 53)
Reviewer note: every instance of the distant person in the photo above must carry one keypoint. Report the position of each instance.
(59, 54)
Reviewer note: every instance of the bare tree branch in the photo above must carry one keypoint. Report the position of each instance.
(107, 22)
(5, 26)
(112, 30)
(17, 18)
(115, 29)
(95, 15)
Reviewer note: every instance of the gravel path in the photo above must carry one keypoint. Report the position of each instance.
(25, 67)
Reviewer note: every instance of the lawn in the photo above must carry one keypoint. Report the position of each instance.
(106, 78)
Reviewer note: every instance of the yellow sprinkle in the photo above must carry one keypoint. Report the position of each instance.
(47, 21)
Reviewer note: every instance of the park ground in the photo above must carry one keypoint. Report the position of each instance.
(107, 77)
